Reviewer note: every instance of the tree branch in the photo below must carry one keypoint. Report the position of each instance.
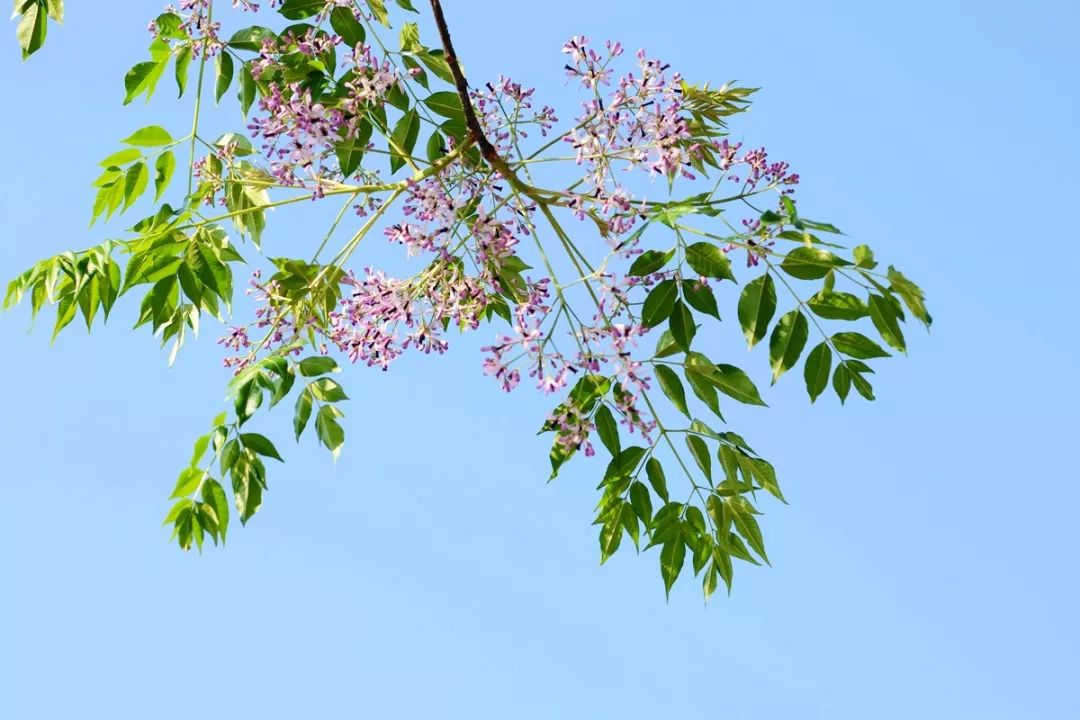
(490, 154)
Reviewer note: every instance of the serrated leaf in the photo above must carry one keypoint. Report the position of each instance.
(248, 90)
(810, 263)
(673, 388)
(857, 345)
(142, 78)
(261, 445)
(757, 304)
(883, 315)
(682, 326)
(611, 535)
(404, 139)
(344, 23)
(864, 257)
(164, 168)
(327, 390)
(659, 303)
(817, 370)
(225, 68)
(302, 414)
(672, 556)
(318, 365)
(649, 262)
(787, 342)
(655, 472)
(149, 136)
(607, 429)
(735, 383)
(709, 261)
(120, 157)
(330, 432)
(700, 297)
(842, 382)
(700, 452)
(837, 306)
(214, 495)
(251, 38)
(911, 294)
(301, 9)
(180, 70)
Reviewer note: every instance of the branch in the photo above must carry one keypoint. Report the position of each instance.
(471, 121)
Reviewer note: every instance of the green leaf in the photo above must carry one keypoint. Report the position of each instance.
(318, 365)
(673, 388)
(261, 445)
(911, 294)
(135, 181)
(837, 306)
(149, 136)
(351, 151)
(864, 257)
(608, 429)
(248, 89)
(121, 157)
(682, 325)
(709, 261)
(409, 37)
(666, 345)
(700, 297)
(885, 319)
(748, 528)
(446, 104)
(224, 66)
(841, 381)
(672, 556)
(142, 78)
(406, 5)
(641, 502)
(300, 9)
(304, 405)
(187, 482)
(436, 63)
(649, 262)
(857, 346)
(251, 38)
(700, 451)
(404, 139)
(757, 304)
(709, 581)
(787, 342)
(703, 388)
(327, 390)
(31, 30)
(735, 383)
(238, 144)
(214, 495)
(659, 303)
(330, 432)
(862, 385)
(344, 23)
(378, 10)
(810, 263)
(611, 534)
(657, 479)
(817, 370)
(248, 481)
(163, 172)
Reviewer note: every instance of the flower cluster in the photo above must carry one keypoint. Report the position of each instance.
(385, 316)
(468, 225)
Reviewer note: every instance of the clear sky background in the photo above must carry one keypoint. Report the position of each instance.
(926, 566)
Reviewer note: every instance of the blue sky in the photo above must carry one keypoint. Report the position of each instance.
(925, 567)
